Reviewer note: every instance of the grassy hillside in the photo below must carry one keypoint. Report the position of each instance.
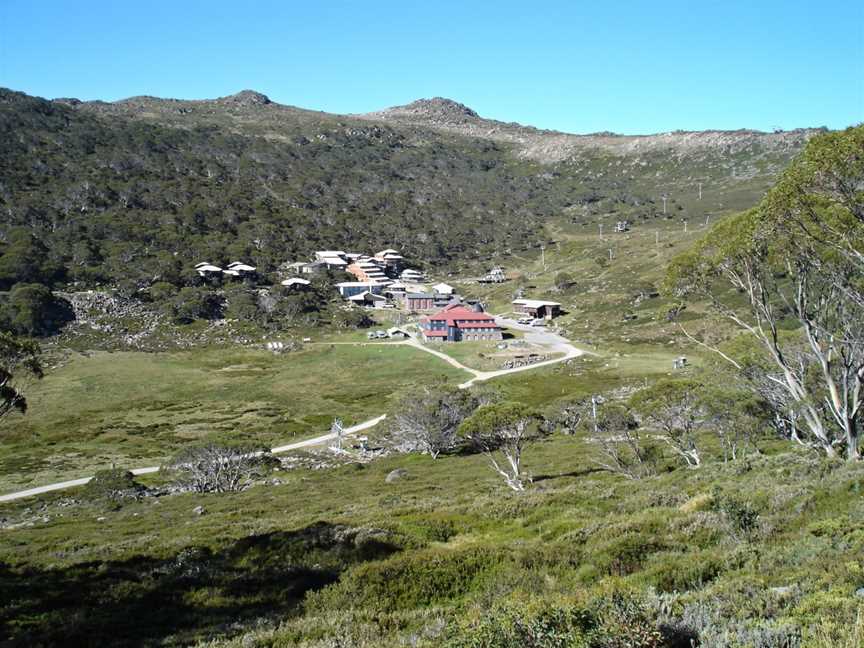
(760, 552)
(137, 409)
(444, 557)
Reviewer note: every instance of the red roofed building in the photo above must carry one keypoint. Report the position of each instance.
(456, 323)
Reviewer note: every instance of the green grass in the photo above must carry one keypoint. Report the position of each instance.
(442, 545)
(136, 409)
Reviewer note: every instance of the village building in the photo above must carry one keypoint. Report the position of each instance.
(443, 289)
(398, 333)
(302, 267)
(418, 301)
(537, 308)
(391, 259)
(456, 323)
(367, 269)
(205, 269)
(368, 299)
(332, 259)
(239, 269)
(495, 275)
(412, 276)
(296, 283)
(350, 288)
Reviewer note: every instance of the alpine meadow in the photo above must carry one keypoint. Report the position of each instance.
(271, 376)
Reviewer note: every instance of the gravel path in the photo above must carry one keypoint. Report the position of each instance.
(555, 344)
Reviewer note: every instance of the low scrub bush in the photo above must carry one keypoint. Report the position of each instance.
(411, 580)
(113, 485)
(514, 624)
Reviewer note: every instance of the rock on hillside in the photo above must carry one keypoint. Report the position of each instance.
(553, 146)
(436, 110)
(246, 98)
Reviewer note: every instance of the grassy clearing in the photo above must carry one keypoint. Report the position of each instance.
(133, 409)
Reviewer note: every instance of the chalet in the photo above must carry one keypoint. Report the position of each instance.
(412, 276)
(419, 301)
(332, 259)
(205, 269)
(495, 275)
(537, 308)
(391, 259)
(238, 269)
(350, 288)
(368, 299)
(456, 323)
(296, 283)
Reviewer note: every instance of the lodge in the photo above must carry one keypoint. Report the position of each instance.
(537, 308)
(456, 323)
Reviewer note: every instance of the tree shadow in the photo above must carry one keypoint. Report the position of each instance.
(576, 473)
(193, 595)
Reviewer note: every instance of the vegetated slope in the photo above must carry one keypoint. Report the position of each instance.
(554, 146)
(112, 194)
(141, 189)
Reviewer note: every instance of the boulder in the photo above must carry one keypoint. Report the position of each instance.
(396, 475)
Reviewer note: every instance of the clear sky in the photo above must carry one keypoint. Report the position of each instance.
(621, 65)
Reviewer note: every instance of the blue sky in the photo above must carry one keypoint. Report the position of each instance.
(577, 66)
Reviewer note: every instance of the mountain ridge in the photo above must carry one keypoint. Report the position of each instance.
(450, 116)
(422, 107)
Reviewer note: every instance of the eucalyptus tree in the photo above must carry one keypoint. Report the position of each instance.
(19, 364)
(504, 429)
(790, 273)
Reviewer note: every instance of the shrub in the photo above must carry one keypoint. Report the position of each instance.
(193, 303)
(517, 625)
(410, 581)
(741, 515)
(114, 485)
(626, 555)
(32, 309)
(221, 468)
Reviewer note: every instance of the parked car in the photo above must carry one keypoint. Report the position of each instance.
(381, 334)
(371, 335)
(538, 322)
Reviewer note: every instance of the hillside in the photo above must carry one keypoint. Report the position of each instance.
(302, 479)
(143, 188)
(552, 146)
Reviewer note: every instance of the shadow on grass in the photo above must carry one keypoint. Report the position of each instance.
(145, 601)
(575, 473)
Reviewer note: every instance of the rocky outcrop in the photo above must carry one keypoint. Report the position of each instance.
(246, 98)
(553, 146)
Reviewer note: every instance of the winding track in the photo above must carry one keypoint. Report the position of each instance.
(554, 342)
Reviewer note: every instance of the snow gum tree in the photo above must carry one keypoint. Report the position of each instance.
(501, 432)
(790, 274)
